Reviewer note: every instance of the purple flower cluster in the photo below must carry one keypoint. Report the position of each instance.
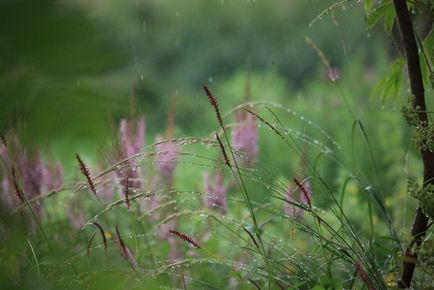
(131, 142)
(34, 175)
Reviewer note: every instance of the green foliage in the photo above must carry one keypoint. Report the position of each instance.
(390, 85)
(425, 195)
(328, 283)
(423, 136)
(381, 10)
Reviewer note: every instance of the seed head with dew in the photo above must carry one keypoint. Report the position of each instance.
(213, 101)
(86, 172)
(185, 238)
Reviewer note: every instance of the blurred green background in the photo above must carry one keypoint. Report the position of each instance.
(68, 67)
(69, 70)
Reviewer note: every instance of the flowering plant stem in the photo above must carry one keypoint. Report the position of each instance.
(256, 229)
(239, 179)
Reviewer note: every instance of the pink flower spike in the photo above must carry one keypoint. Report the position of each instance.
(216, 192)
(245, 137)
(131, 143)
(166, 159)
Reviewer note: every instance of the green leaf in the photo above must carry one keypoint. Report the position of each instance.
(383, 10)
(389, 19)
(390, 86)
(368, 5)
(428, 45)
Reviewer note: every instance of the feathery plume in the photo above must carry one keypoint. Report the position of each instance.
(85, 171)
(222, 148)
(214, 103)
(185, 238)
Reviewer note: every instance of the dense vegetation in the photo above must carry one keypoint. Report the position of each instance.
(214, 145)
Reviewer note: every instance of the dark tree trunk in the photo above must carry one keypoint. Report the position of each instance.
(417, 90)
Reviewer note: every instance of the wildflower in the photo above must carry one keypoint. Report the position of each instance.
(332, 73)
(245, 137)
(165, 159)
(300, 195)
(132, 136)
(131, 142)
(216, 192)
(26, 174)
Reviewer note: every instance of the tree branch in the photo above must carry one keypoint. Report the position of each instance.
(420, 224)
